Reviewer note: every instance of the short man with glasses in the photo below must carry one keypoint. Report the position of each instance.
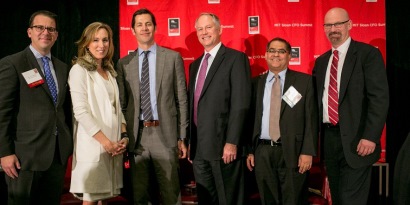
(282, 155)
(35, 117)
(353, 98)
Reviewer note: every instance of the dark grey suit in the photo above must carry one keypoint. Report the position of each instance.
(299, 135)
(29, 119)
(222, 110)
(172, 107)
(363, 106)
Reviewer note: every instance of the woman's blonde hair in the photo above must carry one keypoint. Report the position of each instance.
(86, 38)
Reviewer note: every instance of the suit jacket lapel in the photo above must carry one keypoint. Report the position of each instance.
(61, 81)
(101, 94)
(259, 100)
(214, 67)
(289, 80)
(260, 88)
(160, 64)
(347, 70)
(34, 64)
(132, 70)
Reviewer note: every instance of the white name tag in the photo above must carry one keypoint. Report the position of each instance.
(33, 78)
(291, 96)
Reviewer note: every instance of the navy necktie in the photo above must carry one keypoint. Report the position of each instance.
(145, 88)
(49, 78)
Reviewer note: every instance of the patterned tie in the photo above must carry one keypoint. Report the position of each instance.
(274, 115)
(200, 84)
(49, 78)
(333, 95)
(145, 94)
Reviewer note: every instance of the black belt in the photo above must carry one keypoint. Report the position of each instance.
(270, 142)
(150, 123)
(330, 125)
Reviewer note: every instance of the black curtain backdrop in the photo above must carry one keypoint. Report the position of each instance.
(75, 15)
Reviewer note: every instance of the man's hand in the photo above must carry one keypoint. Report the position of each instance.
(182, 149)
(250, 162)
(365, 147)
(304, 163)
(10, 164)
(229, 154)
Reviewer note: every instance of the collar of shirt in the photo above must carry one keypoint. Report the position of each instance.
(271, 75)
(37, 54)
(152, 49)
(213, 51)
(342, 49)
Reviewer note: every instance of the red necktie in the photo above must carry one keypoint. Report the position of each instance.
(200, 84)
(333, 94)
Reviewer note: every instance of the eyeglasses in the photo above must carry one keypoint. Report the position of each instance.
(336, 25)
(40, 29)
(280, 51)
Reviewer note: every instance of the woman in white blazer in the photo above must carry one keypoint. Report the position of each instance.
(99, 123)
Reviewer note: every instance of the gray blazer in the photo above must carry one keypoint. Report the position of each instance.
(171, 96)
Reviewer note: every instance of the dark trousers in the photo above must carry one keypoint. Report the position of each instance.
(348, 186)
(277, 184)
(37, 187)
(218, 183)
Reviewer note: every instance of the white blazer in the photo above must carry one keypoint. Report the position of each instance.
(92, 112)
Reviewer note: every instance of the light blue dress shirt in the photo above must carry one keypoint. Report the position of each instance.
(40, 62)
(152, 56)
(266, 101)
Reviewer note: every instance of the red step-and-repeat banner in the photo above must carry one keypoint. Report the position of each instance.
(248, 25)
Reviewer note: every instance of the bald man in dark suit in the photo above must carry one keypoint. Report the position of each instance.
(351, 135)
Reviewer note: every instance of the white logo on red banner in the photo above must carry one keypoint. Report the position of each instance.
(253, 22)
(295, 56)
(173, 27)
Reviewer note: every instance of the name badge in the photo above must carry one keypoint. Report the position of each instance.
(33, 78)
(291, 96)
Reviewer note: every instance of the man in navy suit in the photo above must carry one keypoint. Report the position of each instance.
(219, 99)
(35, 116)
(281, 164)
(353, 111)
